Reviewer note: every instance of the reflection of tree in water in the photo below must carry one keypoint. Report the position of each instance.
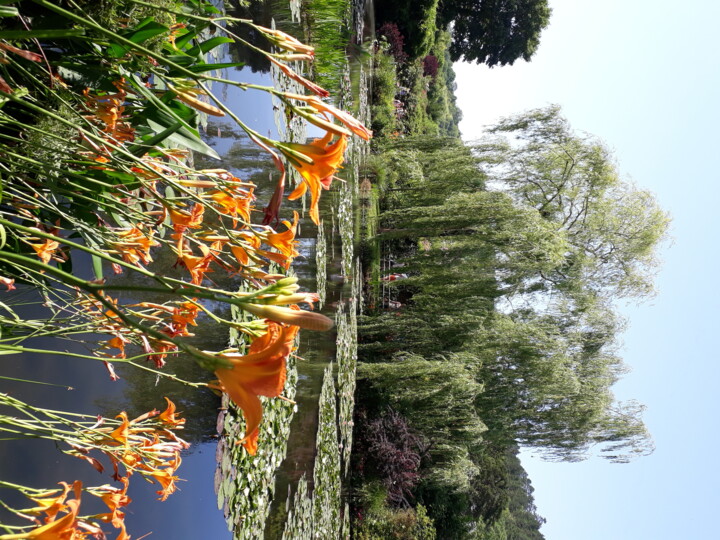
(262, 13)
(244, 158)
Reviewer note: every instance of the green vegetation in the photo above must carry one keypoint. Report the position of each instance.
(326, 26)
(504, 332)
(494, 32)
(413, 96)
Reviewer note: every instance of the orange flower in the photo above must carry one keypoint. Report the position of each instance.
(135, 244)
(285, 241)
(117, 342)
(166, 479)
(182, 316)
(168, 415)
(122, 432)
(160, 350)
(182, 219)
(320, 106)
(115, 498)
(242, 249)
(236, 203)
(322, 159)
(46, 250)
(197, 266)
(320, 91)
(259, 373)
(51, 505)
(64, 528)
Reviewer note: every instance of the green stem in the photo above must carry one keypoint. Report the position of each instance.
(33, 382)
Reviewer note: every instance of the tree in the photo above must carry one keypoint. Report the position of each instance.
(494, 31)
(613, 229)
(548, 377)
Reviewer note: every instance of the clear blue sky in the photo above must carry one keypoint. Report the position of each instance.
(643, 76)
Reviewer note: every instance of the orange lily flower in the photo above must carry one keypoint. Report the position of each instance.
(285, 241)
(347, 120)
(115, 498)
(46, 250)
(261, 372)
(182, 219)
(117, 342)
(319, 90)
(166, 479)
(325, 159)
(135, 245)
(160, 350)
(183, 315)
(168, 415)
(242, 249)
(238, 205)
(122, 432)
(64, 528)
(197, 266)
(51, 505)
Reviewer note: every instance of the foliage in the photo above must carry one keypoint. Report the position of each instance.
(430, 66)
(384, 83)
(552, 243)
(396, 451)
(379, 521)
(395, 40)
(415, 21)
(494, 32)
(326, 25)
(613, 229)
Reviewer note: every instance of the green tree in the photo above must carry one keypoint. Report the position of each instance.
(548, 380)
(494, 32)
(613, 228)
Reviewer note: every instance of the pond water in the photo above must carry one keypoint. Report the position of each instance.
(323, 373)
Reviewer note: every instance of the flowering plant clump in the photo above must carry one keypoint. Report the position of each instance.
(97, 140)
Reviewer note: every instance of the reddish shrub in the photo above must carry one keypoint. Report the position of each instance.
(396, 453)
(430, 66)
(395, 39)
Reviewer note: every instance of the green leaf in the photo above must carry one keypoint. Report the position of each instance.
(149, 30)
(181, 59)
(44, 34)
(116, 51)
(9, 11)
(183, 136)
(162, 116)
(209, 45)
(85, 75)
(182, 41)
(97, 267)
(138, 150)
(3, 237)
(112, 178)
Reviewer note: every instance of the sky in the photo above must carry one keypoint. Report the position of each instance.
(643, 76)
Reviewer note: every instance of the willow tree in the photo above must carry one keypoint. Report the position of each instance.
(612, 227)
(548, 380)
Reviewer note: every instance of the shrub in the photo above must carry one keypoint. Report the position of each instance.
(395, 39)
(430, 66)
